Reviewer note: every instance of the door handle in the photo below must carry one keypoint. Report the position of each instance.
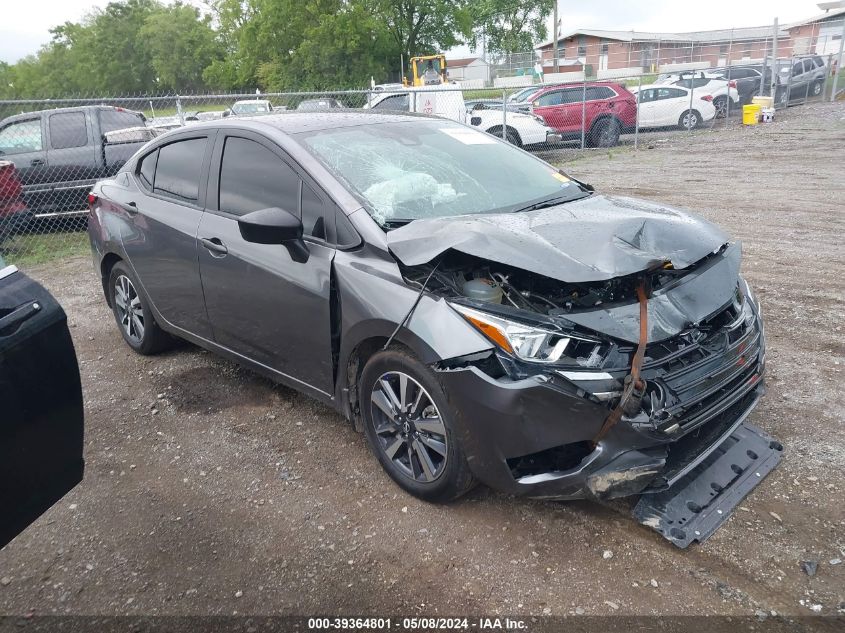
(10, 323)
(37, 162)
(214, 245)
(131, 208)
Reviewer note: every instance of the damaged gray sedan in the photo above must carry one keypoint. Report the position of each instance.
(479, 315)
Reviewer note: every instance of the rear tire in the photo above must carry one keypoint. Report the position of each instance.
(605, 133)
(511, 135)
(721, 105)
(689, 120)
(414, 438)
(132, 314)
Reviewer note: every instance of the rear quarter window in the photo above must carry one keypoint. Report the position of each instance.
(111, 120)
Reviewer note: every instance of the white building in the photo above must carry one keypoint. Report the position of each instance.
(468, 69)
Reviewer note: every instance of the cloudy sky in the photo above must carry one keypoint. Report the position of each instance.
(26, 23)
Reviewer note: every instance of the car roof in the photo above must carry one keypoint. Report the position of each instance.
(649, 86)
(100, 106)
(579, 84)
(293, 122)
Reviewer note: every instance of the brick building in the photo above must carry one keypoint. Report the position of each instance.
(614, 52)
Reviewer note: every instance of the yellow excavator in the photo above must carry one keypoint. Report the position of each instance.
(427, 70)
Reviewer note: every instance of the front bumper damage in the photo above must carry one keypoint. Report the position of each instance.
(692, 458)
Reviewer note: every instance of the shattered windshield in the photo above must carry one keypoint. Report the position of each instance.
(430, 169)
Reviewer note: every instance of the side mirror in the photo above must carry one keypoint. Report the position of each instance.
(226, 113)
(275, 226)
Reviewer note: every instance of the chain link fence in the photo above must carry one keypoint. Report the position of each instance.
(53, 150)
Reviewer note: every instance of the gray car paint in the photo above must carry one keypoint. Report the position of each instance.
(591, 239)
(497, 417)
(673, 309)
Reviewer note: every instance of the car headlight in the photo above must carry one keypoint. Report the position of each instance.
(744, 289)
(526, 342)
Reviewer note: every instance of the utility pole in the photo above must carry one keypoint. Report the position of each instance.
(554, 37)
(775, 66)
(838, 63)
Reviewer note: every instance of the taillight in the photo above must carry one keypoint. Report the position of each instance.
(732, 84)
(92, 200)
(707, 98)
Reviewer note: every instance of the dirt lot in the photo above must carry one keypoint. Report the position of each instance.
(210, 490)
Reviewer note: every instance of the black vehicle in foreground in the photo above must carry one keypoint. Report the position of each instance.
(41, 431)
(61, 153)
(477, 313)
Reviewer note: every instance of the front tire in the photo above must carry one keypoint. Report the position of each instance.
(816, 88)
(132, 314)
(409, 424)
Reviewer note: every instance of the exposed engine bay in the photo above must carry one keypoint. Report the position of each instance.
(687, 376)
(490, 282)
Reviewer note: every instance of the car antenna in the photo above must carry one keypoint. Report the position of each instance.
(413, 307)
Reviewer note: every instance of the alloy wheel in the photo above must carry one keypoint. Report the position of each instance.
(721, 106)
(690, 120)
(129, 310)
(408, 427)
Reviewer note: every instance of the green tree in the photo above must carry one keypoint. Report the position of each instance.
(301, 44)
(181, 44)
(425, 26)
(509, 26)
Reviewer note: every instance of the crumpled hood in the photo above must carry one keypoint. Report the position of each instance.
(592, 239)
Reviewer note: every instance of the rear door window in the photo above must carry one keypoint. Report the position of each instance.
(808, 65)
(670, 93)
(596, 93)
(67, 130)
(571, 96)
(177, 172)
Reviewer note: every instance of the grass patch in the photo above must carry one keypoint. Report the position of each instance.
(32, 250)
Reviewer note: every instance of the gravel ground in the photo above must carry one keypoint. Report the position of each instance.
(211, 490)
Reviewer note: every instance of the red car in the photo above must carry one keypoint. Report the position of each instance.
(607, 109)
(14, 215)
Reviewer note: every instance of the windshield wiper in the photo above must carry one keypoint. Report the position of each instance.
(548, 202)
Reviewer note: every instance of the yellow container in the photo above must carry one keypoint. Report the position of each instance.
(763, 102)
(751, 114)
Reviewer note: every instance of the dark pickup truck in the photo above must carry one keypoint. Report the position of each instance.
(61, 153)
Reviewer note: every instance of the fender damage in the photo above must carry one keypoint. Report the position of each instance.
(531, 428)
